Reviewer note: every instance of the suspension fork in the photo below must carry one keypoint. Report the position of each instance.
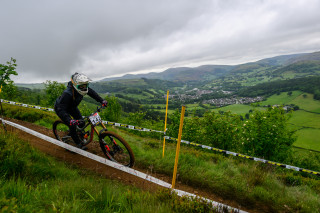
(96, 130)
(104, 129)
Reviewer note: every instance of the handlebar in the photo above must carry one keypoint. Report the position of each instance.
(98, 110)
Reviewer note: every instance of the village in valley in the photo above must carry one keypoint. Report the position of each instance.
(195, 94)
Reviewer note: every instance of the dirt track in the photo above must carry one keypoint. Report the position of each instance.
(104, 170)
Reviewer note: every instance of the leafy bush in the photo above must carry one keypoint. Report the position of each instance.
(264, 134)
(113, 111)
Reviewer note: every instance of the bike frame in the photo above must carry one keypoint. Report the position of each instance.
(93, 127)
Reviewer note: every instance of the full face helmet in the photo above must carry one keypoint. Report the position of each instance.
(80, 83)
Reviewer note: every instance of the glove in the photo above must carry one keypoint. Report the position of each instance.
(74, 122)
(81, 123)
(104, 103)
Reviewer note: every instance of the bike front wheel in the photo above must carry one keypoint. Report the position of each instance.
(116, 149)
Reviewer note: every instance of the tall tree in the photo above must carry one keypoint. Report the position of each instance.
(53, 90)
(5, 71)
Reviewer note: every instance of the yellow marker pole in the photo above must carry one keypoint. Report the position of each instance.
(178, 148)
(165, 124)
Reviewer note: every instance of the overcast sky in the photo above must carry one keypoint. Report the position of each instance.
(51, 39)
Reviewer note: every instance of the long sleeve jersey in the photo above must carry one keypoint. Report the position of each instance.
(70, 99)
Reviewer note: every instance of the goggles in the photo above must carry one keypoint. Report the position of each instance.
(83, 87)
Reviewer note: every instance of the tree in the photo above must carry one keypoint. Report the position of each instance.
(267, 134)
(9, 91)
(113, 111)
(5, 71)
(53, 90)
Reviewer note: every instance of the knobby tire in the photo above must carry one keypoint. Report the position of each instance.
(120, 153)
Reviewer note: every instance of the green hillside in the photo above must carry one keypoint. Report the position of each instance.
(31, 181)
(305, 84)
(305, 120)
(41, 185)
(284, 98)
(248, 74)
(306, 102)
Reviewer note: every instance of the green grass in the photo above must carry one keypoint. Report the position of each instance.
(305, 101)
(308, 139)
(281, 99)
(170, 111)
(248, 183)
(236, 108)
(308, 129)
(33, 182)
(301, 118)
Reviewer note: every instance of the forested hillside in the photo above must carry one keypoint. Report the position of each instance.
(307, 84)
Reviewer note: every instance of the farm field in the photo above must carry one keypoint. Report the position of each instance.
(240, 109)
(283, 98)
(306, 102)
(305, 121)
(308, 139)
(308, 129)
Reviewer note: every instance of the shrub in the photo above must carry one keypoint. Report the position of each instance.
(265, 134)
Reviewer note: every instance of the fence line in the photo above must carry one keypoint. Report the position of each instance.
(132, 127)
(247, 157)
(105, 122)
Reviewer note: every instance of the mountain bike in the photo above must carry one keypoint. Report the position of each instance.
(114, 147)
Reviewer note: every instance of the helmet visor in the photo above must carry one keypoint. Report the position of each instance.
(83, 87)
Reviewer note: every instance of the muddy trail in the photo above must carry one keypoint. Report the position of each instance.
(109, 172)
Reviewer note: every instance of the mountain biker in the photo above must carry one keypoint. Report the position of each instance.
(66, 106)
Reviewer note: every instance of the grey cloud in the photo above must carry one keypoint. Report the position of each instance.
(52, 39)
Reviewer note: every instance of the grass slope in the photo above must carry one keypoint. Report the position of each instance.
(282, 98)
(33, 182)
(251, 184)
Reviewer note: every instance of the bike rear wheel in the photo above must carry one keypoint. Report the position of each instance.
(61, 132)
(116, 148)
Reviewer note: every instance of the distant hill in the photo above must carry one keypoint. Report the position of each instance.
(182, 74)
(127, 85)
(213, 77)
(269, 69)
(305, 84)
(32, 86)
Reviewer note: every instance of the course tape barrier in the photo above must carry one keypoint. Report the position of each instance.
(114, 165)
(26, 105)
(245, 156)
(175, 139)
(131, 127)
(105, 122)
